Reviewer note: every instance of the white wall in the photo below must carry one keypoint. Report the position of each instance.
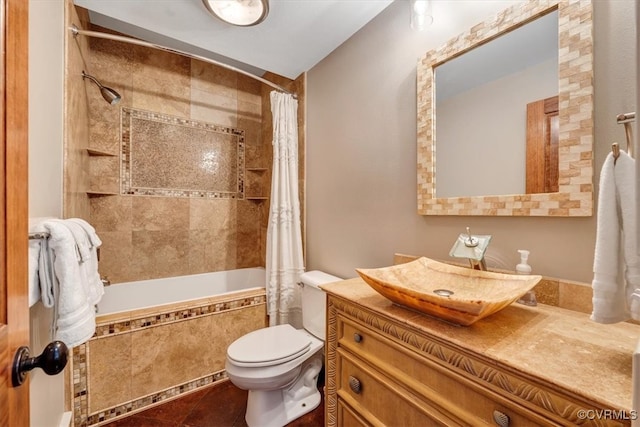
(361, 139)
(46, 94)
(478, 128)
(46, 91)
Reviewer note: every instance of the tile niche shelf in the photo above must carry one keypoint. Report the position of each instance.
(95, 193)
(255, 184)
(99, 153)
(94, 152)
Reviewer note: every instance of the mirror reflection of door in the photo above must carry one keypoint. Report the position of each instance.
(542, 146)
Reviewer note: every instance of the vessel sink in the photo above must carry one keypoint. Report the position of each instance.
(456, 294)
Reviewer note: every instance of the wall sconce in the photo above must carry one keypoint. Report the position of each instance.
(242, 13)
(421, 14)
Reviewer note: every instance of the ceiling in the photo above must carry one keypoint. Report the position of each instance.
(296, 35)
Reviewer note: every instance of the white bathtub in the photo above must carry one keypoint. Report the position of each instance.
(143, 294)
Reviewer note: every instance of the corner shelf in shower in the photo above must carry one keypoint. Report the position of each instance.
(256, 169)
(92, 193)
(94, 152)
(256, 198)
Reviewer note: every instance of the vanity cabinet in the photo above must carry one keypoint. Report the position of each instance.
(382, 371)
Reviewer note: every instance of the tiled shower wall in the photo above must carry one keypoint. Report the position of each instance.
(161, 236)
(76, 127)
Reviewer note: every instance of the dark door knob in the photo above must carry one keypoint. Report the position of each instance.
(52, 361)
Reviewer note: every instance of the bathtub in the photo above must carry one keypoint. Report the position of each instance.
(158, 339)
(143, 294)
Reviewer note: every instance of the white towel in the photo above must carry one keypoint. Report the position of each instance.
(40, 287)
(626, 184)
(89, 266)
(77, 292)
(34, 282)
(88, 228)
(615, 252)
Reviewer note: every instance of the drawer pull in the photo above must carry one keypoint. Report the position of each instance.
(357, 337)
(501, 418)
(355, 385)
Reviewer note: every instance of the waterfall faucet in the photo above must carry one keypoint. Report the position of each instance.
(471, 247)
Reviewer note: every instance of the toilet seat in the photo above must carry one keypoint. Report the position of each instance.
(268, 346)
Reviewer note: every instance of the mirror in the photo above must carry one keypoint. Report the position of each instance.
(489, 88)
(445, 182)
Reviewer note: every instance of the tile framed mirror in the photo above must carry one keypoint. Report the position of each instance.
(546, 163)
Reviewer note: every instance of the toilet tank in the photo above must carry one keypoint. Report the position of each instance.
(314, 301)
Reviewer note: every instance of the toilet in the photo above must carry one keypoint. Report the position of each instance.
(279, 365)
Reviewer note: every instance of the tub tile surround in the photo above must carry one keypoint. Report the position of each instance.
(173, 157)
(173, 86)
(142, 358)
(77, 122)
(148, 237)
(166, 250)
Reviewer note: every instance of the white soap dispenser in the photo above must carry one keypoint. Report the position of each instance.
(524, 268)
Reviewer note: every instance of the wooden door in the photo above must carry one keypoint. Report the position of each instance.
(14, 303)
(542, 146)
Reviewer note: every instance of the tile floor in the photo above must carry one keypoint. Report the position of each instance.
(221, 405)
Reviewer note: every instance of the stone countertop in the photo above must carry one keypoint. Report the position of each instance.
(558, 346)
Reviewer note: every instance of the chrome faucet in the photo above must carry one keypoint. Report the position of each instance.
(471, 247)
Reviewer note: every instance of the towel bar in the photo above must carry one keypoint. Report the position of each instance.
(39, 235)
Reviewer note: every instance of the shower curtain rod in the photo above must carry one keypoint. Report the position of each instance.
(75, 31)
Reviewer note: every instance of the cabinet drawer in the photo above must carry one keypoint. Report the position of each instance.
(379, 400)
(347, 417)
(452, 395)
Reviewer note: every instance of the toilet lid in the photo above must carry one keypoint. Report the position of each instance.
(268, 346)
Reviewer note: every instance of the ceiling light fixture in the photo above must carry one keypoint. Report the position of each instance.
(421, 14)
(242, 13)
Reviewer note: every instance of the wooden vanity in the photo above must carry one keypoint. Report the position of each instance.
(523, 366)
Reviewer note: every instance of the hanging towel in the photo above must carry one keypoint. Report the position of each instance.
(34, 281)
(39, 264)
(616, 264)
(89, 230)
(84, 232)
(75, 288)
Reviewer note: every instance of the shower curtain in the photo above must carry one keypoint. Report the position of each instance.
(284, 263)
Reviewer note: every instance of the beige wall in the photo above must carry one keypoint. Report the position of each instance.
(361, 149)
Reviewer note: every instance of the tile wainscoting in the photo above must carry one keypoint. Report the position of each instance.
(139, 359)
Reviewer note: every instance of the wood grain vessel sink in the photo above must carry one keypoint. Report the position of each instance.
(456, 294)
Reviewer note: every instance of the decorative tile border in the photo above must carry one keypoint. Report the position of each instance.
(575, 86)
(80, 362)
(115, 412)
(105, 329)
(127, 114)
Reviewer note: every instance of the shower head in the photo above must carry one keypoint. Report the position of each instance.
(109, 95)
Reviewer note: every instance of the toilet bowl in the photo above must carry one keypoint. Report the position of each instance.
(279, 365)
